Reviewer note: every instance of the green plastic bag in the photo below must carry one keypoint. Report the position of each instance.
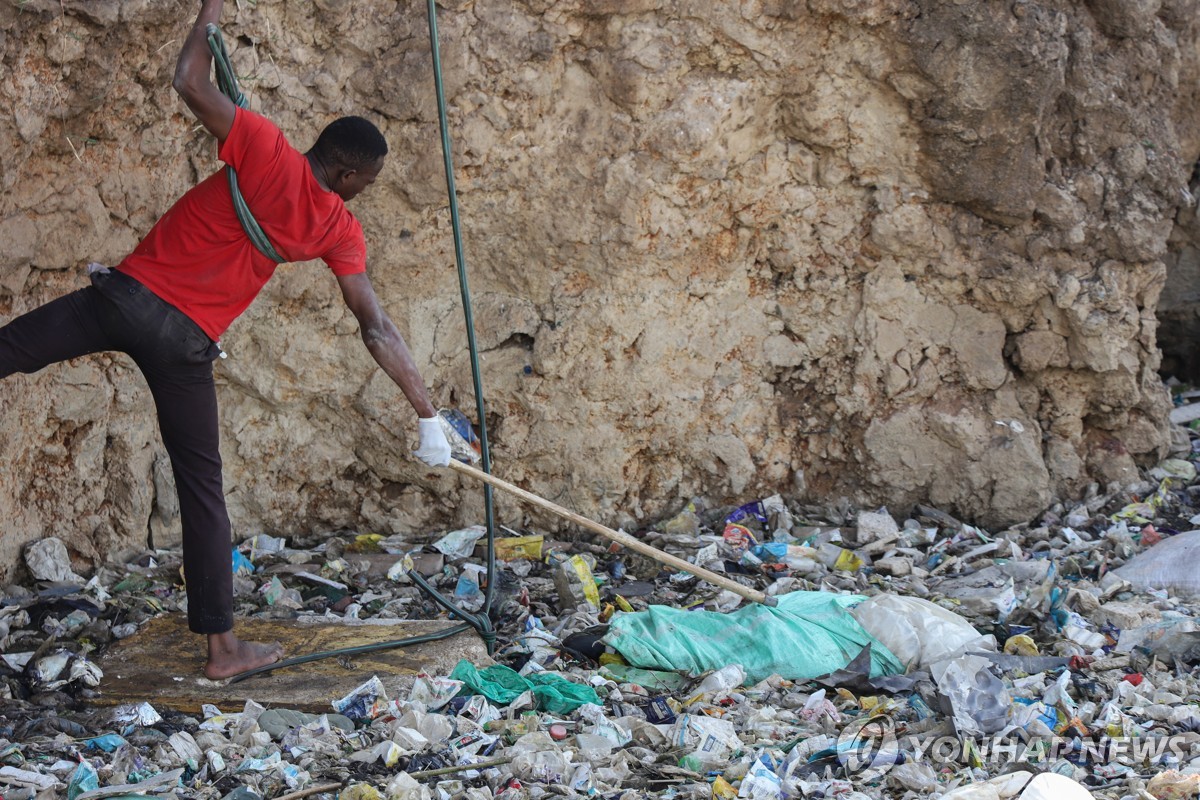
(502, 685)
(654, 680)
(809, 634)
(83, 779)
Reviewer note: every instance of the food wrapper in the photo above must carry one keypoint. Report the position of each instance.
(511, 548)
(464, 444)
(367, 701)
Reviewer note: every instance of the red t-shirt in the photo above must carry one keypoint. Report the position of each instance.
(198, 258)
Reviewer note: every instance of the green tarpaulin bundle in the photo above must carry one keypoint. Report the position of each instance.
(502, 685)
(809, 634)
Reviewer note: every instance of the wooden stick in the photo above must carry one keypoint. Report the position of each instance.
(325, 787)
(433, 773)
(617, 536)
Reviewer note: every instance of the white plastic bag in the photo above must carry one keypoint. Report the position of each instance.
(404, 787)
(48, 560)
(1168, 565)
(978, 701)
(710, 739)
(1002, 787)
(918, 632)
(1052, 786)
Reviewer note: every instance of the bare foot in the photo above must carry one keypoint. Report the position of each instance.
(229, 655)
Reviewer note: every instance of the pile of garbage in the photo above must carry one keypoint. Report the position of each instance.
(905, 657)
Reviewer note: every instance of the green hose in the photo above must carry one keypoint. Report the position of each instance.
(481, 621)
(424, 638)
(227, 83)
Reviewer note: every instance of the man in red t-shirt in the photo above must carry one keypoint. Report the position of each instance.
(168, 302)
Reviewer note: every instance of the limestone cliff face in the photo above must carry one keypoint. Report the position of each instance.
(894, 251)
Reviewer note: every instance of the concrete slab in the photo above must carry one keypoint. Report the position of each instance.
(161, 664)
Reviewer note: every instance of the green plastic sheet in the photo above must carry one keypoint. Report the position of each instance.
(502, 685)
(809, 634)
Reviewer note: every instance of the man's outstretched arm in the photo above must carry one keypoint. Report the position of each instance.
(214, 110)
(388, 348)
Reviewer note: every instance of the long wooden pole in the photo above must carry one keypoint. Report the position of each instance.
(617, 536)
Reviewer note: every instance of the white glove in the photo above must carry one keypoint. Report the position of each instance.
(434, 450)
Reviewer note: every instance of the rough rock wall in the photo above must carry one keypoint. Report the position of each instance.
(896, 251)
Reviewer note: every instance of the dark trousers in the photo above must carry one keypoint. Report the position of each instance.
(175, 356)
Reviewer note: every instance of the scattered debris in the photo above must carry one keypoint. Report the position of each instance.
(919, 657)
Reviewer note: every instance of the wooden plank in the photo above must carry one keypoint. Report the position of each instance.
(161, 663)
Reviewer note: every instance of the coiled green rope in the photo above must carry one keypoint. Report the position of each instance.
(227, 83)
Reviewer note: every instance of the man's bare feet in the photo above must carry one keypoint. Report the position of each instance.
(229, 655)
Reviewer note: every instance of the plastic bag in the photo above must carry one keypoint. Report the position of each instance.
(468, 594)
(404, 787)
(502, 685)
(460, 543)
(520, 547)
(367, 701)
(916, 777)
(1169, 785)
(809, 634)
(1002, 787)
(918, 632)
(1168, 565)
(978, 701)
(83, 779)
(542, 766)
(47, 560)
(761, 782)
(575, 583)
(710, 740)
(1052, 786)
(434, 692)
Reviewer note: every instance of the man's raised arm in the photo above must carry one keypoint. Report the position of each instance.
(214, 110)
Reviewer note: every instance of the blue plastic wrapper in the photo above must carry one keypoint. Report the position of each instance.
(108, 742)
(365, 702)
(771, 552)
(464, 444)
(467, 589)
(241, 564)
(920, 707)
(749, 511)
(1048, 717)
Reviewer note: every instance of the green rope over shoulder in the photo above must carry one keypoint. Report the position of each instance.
(227, 83)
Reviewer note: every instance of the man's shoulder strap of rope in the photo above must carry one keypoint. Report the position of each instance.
(227, 83)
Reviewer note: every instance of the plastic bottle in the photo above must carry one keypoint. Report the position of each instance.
(724, 680)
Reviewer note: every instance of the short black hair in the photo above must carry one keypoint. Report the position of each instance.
(351, 142)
